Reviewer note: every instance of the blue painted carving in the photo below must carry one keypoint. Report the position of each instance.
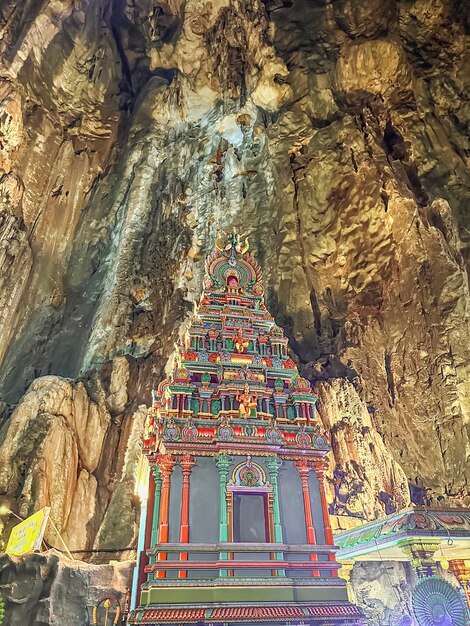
(225, 357)
(225, 432)
(171, 432)
(273, 435)
(437, 603)
(203, 356)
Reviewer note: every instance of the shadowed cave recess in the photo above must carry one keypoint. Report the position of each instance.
(334, 135)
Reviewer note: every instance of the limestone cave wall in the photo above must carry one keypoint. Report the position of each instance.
(333, 134)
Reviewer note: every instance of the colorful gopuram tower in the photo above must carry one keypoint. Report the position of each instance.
(237, 528)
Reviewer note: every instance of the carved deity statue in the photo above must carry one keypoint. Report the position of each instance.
(233, 242)
(240, 343)
(247, 402)
(178, 357)
(149, 426)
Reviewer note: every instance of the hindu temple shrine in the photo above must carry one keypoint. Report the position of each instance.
(236, 529)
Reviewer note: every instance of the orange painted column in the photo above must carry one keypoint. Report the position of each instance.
(166, 464)
(320, 468)
(187, 463)
(304, 469)
(460, 568)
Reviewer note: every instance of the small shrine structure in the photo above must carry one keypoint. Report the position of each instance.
(436, 543)
(237, 528)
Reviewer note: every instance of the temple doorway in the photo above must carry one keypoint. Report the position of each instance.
(250, 520)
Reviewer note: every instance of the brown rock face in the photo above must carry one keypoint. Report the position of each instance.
(334, 134)
(62, 449)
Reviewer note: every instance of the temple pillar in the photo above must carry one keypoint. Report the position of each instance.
(187, 463)
(274, 464)
(420, 553)
(222, 462)
(345, 573)
(320, 469)
(166, 464)
(156, 506)
(460, 568)
(304, 469)
(229, 498)
(310, 416)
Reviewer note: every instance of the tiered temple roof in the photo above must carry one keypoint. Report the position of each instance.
(233, 379)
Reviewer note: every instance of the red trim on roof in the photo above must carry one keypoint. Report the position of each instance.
(246, 613)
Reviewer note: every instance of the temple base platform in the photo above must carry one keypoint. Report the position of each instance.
(245, 601)
(318, 614)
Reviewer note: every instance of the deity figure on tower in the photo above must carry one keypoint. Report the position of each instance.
(247, 403)
(240, 343)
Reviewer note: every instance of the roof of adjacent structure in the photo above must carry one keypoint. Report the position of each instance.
(381, 539)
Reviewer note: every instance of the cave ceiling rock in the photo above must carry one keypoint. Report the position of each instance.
(16, 262)
(230, 42)
(371, 68)
(69, 66)
(11, 123)
(360, 19)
